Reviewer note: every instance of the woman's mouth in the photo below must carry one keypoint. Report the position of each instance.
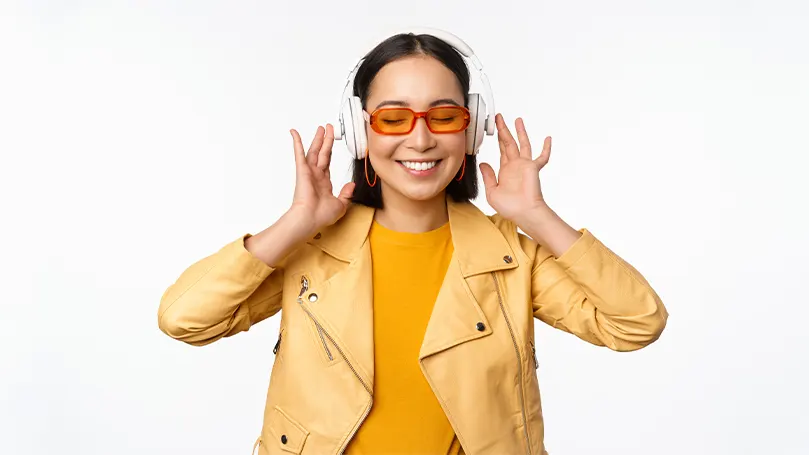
(420, 168)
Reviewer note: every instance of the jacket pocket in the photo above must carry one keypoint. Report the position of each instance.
(289, 435)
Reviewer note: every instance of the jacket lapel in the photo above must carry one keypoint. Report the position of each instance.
(346, 306)
(479, 248)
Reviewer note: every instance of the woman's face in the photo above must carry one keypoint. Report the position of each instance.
(417, 82)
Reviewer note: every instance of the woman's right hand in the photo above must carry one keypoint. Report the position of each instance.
(313, 200)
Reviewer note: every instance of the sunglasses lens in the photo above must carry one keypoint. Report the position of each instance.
(447, 119)
(394, 121)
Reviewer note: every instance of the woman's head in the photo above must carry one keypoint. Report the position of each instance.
(418, 72)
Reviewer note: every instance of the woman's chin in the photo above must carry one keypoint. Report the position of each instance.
(422, 192)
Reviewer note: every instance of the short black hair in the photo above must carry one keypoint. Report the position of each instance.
(393, 48)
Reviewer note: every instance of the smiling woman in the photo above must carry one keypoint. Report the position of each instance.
(407, 314)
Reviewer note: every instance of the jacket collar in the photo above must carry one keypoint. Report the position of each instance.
(479, 245)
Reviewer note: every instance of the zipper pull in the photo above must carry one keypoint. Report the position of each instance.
(277, 345)
(534, 352)
(304, 288)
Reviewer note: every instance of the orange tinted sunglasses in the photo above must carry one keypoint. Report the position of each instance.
(402, 120)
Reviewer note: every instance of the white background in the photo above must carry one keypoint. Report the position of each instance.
(138, 137)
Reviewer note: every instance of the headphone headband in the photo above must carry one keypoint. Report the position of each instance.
(459, 45)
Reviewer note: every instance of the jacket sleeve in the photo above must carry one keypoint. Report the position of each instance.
(220, 295)
(592, 293)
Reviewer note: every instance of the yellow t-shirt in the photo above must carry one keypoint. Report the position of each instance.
(406, 417)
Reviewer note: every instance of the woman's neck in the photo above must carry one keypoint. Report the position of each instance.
(400, 213)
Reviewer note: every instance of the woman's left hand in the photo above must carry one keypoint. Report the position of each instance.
(516, 191)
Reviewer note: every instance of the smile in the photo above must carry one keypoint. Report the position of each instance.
(420, 168)
(419, 165)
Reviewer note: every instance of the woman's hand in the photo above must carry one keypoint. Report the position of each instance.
(313, 200)
(516, 191)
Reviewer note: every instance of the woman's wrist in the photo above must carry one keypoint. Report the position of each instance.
(547, 228)
(285, 235)
(298, 222)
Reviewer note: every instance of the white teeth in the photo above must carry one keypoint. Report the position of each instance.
(419, 166)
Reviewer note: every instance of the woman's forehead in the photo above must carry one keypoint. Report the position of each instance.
(415, 81)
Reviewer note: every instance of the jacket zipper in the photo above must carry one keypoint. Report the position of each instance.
(304, 287)
(323, 340)
(362, 419)
(519, 361)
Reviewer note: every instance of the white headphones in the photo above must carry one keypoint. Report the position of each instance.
(351, 121)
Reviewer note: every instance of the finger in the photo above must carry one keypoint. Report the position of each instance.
(500, 143)
(545, 155)
(522, 135)
(346, 192)
(297, 145)
(509, 145)
(324, 155)
(314, 147)
(489, 179)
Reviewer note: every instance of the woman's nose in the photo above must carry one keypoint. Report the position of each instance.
(421, 136)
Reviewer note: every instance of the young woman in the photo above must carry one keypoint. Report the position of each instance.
(407, 315)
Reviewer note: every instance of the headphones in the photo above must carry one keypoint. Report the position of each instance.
(351, 122)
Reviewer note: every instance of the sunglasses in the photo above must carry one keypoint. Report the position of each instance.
(402, 120)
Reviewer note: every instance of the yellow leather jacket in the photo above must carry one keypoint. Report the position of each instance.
(478, 353)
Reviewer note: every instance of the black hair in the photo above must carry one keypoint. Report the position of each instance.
(393, 48)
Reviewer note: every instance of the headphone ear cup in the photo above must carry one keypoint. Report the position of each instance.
(477, 123)
(359, 126)
(354, 126)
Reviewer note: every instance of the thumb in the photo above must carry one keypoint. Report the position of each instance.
(346, 192)
(489, 179)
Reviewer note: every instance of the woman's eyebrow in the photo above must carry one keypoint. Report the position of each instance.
(406, 104)
(444, 101)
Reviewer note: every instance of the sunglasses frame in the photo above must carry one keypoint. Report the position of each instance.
(371, 118)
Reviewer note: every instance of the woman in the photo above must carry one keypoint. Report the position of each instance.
(429, 347)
